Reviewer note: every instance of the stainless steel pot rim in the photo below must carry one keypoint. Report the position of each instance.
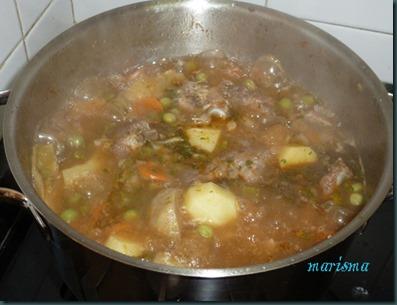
(54, 220)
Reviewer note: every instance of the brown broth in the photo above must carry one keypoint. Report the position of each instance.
(121, 140)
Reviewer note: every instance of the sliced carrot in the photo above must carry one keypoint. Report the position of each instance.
(148, 105)
(97, 212)
(152, 171)
(123, 226)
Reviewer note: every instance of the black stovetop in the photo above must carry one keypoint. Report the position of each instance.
(28, 270)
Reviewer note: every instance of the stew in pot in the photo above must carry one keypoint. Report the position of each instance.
(200, 161)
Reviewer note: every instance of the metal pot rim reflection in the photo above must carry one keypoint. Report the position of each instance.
(10, 129)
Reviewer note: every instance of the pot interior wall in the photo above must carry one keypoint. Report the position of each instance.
(132, 35)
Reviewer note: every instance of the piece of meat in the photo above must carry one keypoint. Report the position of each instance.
(217, 105)
(249, 166)
(192, 96)
(132, 135)
(257, 110)
(188, 175)
(320, 115)
(203, 103)
(336, 175)
(316, 118)
(241, 96)
(314, 134)
(256, 113)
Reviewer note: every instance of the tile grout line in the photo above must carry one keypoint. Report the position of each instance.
(74, 21)
(38, 18)
(35, 22)
(10, 53)
(22, 34)
(21, 29)
(18, 42)
(347, 26)
(73, 14)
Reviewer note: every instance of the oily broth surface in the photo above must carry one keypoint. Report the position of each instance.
(117, 162)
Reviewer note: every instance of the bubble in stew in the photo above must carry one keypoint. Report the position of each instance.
(200, 161)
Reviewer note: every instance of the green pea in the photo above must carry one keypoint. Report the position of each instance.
(130, 215)
(169, 118)
(146, 151)
(205, 231)
(285, 103)
(249, 84)
(356, 199)
(166, 102)
(357, 187)
(175, 111)
(201, 77)
(69, 215)
(73, 198)
(308, 100)
(76, 141)
(191, 66)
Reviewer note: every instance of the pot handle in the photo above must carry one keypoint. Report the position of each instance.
(18, 197)
(4, 94)
(390, 194)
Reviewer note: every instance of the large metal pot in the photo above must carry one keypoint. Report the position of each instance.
(140, 32)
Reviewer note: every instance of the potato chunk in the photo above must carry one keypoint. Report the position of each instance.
(46, 175)
(211, 204)
(97, 165)
(203, 138)
(44, 160)
(293, 156)
(93, 177)
(145, 86)
(74, 174)
(124, 245)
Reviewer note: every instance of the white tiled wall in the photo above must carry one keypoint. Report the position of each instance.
(57, 18)
(30, 11)
(366, 26)
(375, 15)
